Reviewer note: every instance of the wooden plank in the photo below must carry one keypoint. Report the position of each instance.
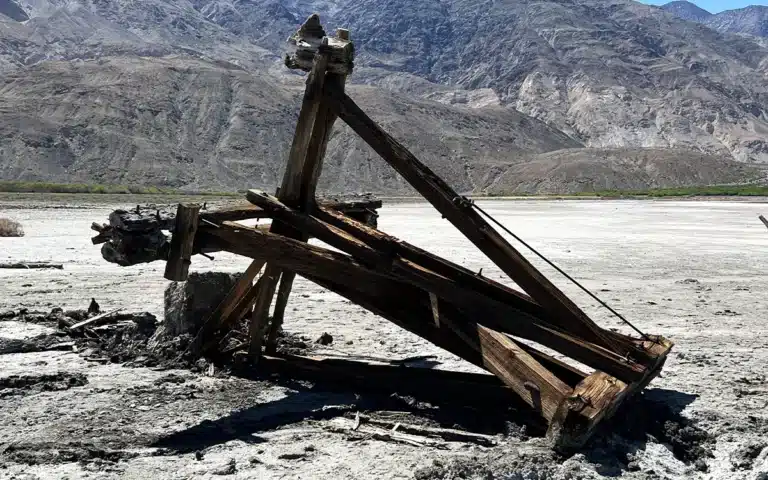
(494, 314)
(290, 189)
(318, 144)
(507, 319)
(497, 315)
(182, 242)
(595, 399)
(249, 211)
(278, 317)
(92, 321)
(266, 290)
(309, 226)
(536, 385)
(581, 411)
(394, 246)
(404, 305)
(563, 311)
(31, 266)
(439, 386)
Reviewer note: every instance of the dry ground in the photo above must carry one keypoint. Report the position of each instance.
(692, 271)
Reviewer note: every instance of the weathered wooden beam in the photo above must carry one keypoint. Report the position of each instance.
(290, 190)
(260, 319)
(500, 316)
(310, 141)
(596, 398)
(31, 266)
(291, 185)
(309, 226)
(278, 316)
(400, 303)
(515, 322)
(463, 276)
(318, 145)
(182, 242)
(440, 386)
(460, 213)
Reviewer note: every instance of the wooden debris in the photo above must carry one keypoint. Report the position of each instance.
(32, 265)
(98, 319)
(447, 434)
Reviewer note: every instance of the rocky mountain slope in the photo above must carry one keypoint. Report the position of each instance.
(687, 11)
(752, 20)
(194, 95)
(193, 124)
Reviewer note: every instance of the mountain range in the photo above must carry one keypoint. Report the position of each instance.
(497, 96)
(752, 20)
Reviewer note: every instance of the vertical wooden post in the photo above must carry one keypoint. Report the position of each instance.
(283, 292)
(305, 162)
(266, 290)
(180, 254)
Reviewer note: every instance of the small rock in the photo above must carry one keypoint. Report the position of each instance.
(170, 378)
(255, 461)
(701, 466)
(198, 455)
(325, 339)
(309, 448)
(229, 469)
(291, 456)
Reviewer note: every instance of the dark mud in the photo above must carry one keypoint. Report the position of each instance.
(27, 384)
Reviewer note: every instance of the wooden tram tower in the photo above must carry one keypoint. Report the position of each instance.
(484, 322)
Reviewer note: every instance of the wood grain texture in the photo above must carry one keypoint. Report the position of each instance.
(182, 242)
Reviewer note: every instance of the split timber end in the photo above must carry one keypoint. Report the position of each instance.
(596, 399)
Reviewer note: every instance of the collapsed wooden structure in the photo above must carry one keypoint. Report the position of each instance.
(480, 320)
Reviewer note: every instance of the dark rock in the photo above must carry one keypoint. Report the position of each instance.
(229, 469)
(170, 378)
(188, 304)
(325, 339)
(745, 456)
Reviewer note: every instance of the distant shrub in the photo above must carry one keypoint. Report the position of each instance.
(10, 228)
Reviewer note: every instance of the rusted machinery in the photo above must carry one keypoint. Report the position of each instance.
(482, 321)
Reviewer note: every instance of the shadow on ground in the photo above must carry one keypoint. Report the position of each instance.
(654, 416)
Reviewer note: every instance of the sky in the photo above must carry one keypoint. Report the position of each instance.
(715, 6)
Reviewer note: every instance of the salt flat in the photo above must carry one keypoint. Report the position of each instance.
(693, 271)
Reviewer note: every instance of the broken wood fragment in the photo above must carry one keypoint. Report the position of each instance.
(447, 434)
(98, 319)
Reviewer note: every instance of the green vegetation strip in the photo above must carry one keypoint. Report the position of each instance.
(45, 187)
(708, 191)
